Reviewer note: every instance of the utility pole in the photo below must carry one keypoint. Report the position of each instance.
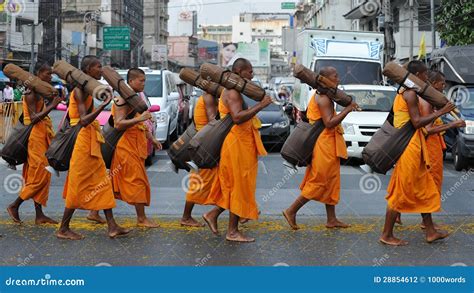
(411, 28)
(32, 63)
(433, 25)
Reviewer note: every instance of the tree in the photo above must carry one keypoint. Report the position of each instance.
(455, 22)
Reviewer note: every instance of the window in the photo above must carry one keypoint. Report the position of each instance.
(396, 20)
(241, 33)
(20, 22)
(269, 31)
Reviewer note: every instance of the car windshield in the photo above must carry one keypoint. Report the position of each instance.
(372, 100)
(466, 98)
(153, 85)
(354, 72)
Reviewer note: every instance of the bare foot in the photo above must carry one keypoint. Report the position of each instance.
(191, 222)
(392, 241)
(422, 226)
(118, 231)
(436, 236)
(238, 237)
(212, 223)
(398, 220)
(95, 217)
(336, 224)
(146, 223)
(68, 235)
(291, 220)
(41, 220)
(13, 212)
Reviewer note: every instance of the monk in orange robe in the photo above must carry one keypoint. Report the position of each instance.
(412, 188)
(322, 181)
(129, 177)
(435, 131)
(36, 178)
(237, 175)
(200, 182)
(88, 186)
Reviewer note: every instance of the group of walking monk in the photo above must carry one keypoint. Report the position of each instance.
(415, 186)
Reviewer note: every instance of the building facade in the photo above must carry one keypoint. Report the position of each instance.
(217, 33)
(155, 27)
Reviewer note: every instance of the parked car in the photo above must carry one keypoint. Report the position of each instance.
(104, 116)
(460, 142)
(275, 123)
(359, 127)
(161, 90)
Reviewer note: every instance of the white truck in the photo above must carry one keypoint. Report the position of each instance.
(357, 56)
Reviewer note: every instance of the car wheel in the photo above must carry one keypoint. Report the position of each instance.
(460, 162)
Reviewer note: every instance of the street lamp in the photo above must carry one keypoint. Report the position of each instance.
(140, 48)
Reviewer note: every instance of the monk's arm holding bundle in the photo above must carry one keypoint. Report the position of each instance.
(88, 118)
(211, 107)
(331, 120)
(416, 119)
(427, 109)
(31, 102)
(234, 101)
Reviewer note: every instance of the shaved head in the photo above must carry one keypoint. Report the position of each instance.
(327, 71)
(243, 68)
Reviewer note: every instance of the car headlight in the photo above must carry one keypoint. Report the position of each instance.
(469, 127)
(282, 124)
(348, 128)
(161, 117)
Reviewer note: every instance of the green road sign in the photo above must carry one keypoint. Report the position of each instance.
(288, 5)
(116, 38)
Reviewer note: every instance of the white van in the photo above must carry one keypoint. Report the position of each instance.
(161, 90)
(359, 127)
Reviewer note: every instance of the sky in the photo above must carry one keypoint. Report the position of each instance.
(220, 11)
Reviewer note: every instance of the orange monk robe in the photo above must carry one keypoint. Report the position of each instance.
(322, 180)
(238, 168)
(436, 146)
(129, 178)
(412, 188)
(200, 182)
(88, 186)
(37, 179)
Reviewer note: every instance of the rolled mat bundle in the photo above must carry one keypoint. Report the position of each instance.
(194, 78)
(231, 80)
(401, 76)
(298, 148)
(322, 85)
(76, 77)
(30, 81)
(118, 83)
(386, 146)
(179, 151)
(205, 146)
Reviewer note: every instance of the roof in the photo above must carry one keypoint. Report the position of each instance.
(349, 87)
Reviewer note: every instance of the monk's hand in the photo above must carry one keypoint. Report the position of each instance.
(157, 144)
(107, 100)
(353, 106)
(56, 101)
(266, 101)
(145, 116)
(447, 108)
(459, 123)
